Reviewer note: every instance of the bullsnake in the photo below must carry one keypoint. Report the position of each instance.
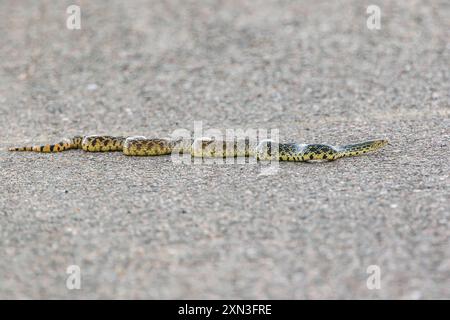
(209, 147)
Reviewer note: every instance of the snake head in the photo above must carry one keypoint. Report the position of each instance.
(267, 150)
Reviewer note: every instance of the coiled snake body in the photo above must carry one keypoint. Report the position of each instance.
(207, 147)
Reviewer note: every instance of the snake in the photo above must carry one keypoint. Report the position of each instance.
(266, 149)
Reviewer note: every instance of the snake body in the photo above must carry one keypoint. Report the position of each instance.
(207, 147)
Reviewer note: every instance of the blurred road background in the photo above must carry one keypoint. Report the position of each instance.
(146, 228)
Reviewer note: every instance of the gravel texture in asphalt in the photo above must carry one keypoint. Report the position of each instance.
(149, 228)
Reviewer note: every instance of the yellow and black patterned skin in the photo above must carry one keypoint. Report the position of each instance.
(102, 143)
(207, 147)
(269, 150)
(141, 146)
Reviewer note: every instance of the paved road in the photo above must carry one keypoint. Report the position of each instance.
(147, 228)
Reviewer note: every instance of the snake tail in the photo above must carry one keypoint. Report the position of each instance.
(66, 144)
(357, 149)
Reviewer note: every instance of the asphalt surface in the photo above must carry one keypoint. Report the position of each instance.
(148, 228)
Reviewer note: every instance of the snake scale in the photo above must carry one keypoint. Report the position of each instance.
(209, 147)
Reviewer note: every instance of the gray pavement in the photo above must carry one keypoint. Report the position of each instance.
(147, 228)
